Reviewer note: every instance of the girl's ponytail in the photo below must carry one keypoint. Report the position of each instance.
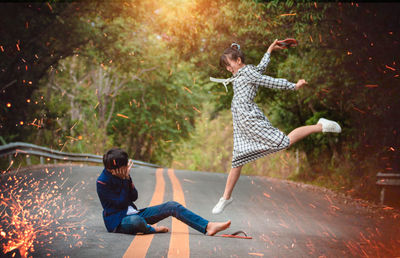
(235, 46)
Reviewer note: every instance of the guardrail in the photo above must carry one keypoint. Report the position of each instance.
(387, 181)
(27, 149)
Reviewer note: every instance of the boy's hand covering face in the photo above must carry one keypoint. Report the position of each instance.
(122, 172)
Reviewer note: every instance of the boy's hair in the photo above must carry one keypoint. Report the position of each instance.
(115, 158)
(233, 52)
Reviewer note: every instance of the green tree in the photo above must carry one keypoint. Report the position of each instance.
(347, 51)
(35, 36)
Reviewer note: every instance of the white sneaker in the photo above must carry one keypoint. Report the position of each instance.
(329, 126)
(222, 203)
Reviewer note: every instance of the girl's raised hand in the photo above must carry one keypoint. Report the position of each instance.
(300, 84)
(274, 46)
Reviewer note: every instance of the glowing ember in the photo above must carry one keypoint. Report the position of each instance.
(32, 209)
(198, 111)
(391, 68)
(121, 115)
(187, 89)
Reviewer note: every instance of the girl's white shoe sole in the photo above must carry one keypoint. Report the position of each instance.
(329, 126)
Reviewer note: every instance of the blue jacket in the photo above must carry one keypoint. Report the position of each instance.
(115, 196)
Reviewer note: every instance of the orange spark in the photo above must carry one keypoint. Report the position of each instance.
(187, 89)
(359, 110)
(30, 216)
(72, 138)
(33, 123)
(124, 116)
(196, 109)
(329, 199)
(334, 207)
(256, 254)
(2, 49)
(18, 47)
(391, 68)
(74, 125)
(371, 85)
(51, 9)
(267, 195)
(8, 104)
(11, 163)
(288, 14)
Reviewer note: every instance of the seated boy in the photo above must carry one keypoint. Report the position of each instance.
(117, 194)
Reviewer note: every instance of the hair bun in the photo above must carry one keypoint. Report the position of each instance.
(235, 46)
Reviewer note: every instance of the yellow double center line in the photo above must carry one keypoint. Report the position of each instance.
(179, 242)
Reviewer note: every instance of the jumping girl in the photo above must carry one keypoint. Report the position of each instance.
(253, 135)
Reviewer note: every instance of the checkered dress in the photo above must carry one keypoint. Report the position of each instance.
(253, 134)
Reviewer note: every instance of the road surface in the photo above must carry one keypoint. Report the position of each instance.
(55, 211)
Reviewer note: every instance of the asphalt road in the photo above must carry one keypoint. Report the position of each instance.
(55, 211)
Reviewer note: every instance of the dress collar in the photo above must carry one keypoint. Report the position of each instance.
(225, 82)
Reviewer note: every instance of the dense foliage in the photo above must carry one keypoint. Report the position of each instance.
(105, 78)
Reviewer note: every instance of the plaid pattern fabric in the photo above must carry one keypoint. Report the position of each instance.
(253, 134)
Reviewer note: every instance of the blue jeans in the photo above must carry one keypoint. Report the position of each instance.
(139, 223)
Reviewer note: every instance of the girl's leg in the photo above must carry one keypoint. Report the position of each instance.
(303, 131)
(233, 177)
(226, 199)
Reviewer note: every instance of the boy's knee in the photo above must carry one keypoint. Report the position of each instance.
(172, 207)
(135, 224)
(173, 204)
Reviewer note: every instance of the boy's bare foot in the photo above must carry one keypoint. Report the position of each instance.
(215, 227)
(161, 229)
